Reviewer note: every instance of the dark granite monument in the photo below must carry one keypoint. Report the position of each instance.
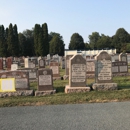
(45, 82)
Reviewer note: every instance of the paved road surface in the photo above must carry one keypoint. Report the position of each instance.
(95, 116)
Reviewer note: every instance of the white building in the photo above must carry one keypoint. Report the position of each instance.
(88, 52)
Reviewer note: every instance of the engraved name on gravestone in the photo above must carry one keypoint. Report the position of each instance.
(45, 79)
(21, 79)
(77, 71)
(103, 68)
(123, 57)
(67, 64)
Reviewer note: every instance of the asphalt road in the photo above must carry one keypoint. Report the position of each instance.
(94, 116)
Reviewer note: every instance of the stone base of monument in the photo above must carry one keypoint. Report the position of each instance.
(69, 89)
(56, 78)
(65, 77)
(105, 86)
(43, 93)
(17, 93)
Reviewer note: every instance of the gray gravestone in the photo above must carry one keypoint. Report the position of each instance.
(77, 75)
(119, 67)
(123, 57)
(67, 64)
(103, 73)
(55, 69)
(90, 68)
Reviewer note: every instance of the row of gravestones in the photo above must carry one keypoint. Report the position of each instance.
(77, 76)
(119, 66)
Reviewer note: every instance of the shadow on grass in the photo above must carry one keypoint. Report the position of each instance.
(124, 86)
(60, 89)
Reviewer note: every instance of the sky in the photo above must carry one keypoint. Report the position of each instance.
(67, 17)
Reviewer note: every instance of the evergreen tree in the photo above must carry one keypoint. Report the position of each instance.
(45, 39)
(41, 47)
(10, 41)
(2, 42)
(37, 29)
(76, 42)
(57, 46)
(16, 41)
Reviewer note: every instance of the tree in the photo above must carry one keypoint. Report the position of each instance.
(104, 42)
(10, 40)
(2, 42)
(45, 39)
(29, 46)
(87, 46)
(22, 44)
(93, 40)
(76, 42)
(37, 29)
(16, 41)
(56, 44)
(120, 39)
(41, 46)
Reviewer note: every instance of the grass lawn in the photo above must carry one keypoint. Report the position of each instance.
(123, 94)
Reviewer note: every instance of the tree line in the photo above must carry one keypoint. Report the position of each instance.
(120, 41)
(38, 42)
(31, 42)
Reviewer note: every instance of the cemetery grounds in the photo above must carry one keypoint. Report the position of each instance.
(122, 94)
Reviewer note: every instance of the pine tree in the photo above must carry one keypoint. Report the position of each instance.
(16, 41)
(45, 39)
(41, 43)
(2, 42)
(36, 35)
(10, 41)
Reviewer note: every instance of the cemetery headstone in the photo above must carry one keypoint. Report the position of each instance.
(67, 64)
(123, 57)
(45, 82)
(32, 72)
(55, 70)
(77, 75)
(103, 72)
(1, 64)
(41, 63)
(90, 68)
(21, 79)
(9, 62)
(14, 67)
(26, 62)
(119, 67)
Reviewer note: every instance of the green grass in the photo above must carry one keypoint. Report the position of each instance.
(123, 94)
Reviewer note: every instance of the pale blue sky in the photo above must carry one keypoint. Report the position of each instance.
(68, 16)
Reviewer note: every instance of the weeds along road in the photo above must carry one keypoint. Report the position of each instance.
(94, 116)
